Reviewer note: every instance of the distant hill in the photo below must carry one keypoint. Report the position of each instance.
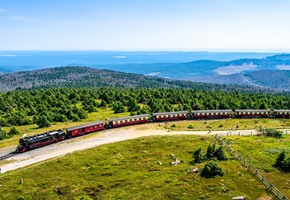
(276, 79)
(89, 77)
(241, 71)
(272, 72)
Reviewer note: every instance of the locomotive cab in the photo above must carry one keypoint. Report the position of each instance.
(22, 146)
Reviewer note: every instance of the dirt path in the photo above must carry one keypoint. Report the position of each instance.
(104, 137)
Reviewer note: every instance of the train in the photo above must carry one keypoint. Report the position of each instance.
(43, 139)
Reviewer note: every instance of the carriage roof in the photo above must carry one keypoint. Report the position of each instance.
(129, 117)
(85, 125)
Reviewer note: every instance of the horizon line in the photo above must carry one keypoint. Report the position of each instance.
(166, 50)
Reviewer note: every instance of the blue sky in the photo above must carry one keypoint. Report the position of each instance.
(213, 25)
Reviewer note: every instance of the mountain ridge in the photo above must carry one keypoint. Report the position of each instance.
(89, 77)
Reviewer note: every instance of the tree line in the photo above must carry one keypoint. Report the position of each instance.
(23, 107)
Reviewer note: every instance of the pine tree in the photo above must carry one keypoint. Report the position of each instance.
(197, 156)
(219, 154)
(210, 152)
(286, 165)
(42, 122)
(3, 134)
(280, 159)
(13, 131)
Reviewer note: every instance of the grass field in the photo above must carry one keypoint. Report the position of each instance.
(262, 153)
(130, 170)
(228, 124)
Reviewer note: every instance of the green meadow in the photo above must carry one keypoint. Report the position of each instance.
(130, 170)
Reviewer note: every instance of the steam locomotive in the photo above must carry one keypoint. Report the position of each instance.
(43, 139)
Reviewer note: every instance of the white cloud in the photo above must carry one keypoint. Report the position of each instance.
(119, 57)
(88, 24)
(16, 18)
(8, 55)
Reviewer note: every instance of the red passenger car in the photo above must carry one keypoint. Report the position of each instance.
(282, 113)
(211, 114)
(84, 129)
(166, 116)
(252, 113)
(124, 121)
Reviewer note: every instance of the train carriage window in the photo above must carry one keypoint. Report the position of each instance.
(258, 113)
(262, 113)
(202, 113)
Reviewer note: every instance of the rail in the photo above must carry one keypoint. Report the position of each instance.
(270, 187)
(7, 156)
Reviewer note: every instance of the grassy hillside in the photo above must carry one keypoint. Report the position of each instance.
(130, 170)
(262, 153)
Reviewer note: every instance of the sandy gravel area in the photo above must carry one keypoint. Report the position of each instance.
(104, 137)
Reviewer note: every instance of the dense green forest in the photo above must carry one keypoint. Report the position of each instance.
(58, 105)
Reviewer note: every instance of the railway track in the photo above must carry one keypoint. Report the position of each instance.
(7, 156)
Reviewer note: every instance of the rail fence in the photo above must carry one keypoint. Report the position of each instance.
(270, 187)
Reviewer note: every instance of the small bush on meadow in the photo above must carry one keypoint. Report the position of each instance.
(270, 132)
(211, 170)
(190, 127)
